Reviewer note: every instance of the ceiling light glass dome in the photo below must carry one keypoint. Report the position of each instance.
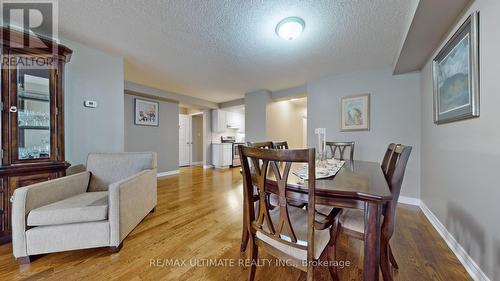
(290, 28)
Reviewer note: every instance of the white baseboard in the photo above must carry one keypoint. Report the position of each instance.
(207, 166)
(409, 200)
(169, 173)
(470, 265)
(197, 163)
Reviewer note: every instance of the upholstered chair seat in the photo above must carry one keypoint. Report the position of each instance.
(324, 210)
(354, 220)
(298, 217)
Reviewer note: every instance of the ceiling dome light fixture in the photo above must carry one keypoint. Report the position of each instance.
(290, 28)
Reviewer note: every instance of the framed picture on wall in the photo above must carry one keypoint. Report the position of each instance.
(146, 113)
(355, 113)
(456, 75)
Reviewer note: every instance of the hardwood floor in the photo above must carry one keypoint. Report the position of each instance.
(198, 217)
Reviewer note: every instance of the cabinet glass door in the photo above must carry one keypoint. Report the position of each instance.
(33, 113)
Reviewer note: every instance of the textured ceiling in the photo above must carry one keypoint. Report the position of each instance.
(218, 50)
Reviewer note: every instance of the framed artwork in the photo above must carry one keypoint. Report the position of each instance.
(146, 113)
(456, 75)
(355, 113)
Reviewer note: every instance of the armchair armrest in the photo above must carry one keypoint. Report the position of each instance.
(130, 200)
(34, 196)
(75, 169)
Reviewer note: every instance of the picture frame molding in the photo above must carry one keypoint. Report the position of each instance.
(368, 113)
(157, 112)
(473, 21)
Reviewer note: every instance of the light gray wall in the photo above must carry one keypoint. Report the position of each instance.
(162, 94)
(395, 116)
(256, 106)
(164, 139)
(295, 92)
(461, 160)
(207, 140)
(197, 135)
(92, 75)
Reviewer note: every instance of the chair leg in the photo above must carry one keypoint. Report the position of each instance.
(391, 256)
(24, 260)
(385, 265)
(244, 240)
(331, 249)
(331, 257)
(310, 274)
(244, 234)
(254, 251)
(116, 249)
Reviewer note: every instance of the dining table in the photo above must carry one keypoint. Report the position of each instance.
(358, 184)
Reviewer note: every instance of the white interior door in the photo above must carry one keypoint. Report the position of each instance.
(185, 140)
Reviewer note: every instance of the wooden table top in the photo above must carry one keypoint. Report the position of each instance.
(358, 180)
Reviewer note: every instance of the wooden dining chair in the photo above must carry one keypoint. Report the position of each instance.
(351, 221)
(273, 200)
(341, 147)
(286, 232)
(280, 145)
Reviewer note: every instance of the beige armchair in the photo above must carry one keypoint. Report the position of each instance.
(97, 207)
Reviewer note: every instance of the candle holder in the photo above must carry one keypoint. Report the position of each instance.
(321, 152)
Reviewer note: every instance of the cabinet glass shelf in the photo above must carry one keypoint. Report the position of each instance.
(33, 96)
(34, 127)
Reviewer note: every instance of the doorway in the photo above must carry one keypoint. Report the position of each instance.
(185, 140)
(197, 139)
(294, 131)
(191, 138)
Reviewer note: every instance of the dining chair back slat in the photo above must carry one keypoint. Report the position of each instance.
(387, 157)
(341, 148)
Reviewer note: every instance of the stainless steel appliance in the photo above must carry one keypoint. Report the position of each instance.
(236, 155)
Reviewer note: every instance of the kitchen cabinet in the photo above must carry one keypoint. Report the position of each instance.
(240, 117)
(219, 122)
(223, 120)
(232, 120)
(222, 155)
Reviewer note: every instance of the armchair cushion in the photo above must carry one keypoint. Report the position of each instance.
(108, 168)
(84, 207)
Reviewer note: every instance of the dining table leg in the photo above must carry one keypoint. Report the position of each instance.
(373, 212)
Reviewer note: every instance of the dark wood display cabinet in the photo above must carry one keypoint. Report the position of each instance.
(32, 117)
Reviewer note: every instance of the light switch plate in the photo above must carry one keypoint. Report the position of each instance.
(90, 103)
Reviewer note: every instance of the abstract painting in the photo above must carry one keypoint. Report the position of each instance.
(146, 113)
(355, 113)
(455, 74)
